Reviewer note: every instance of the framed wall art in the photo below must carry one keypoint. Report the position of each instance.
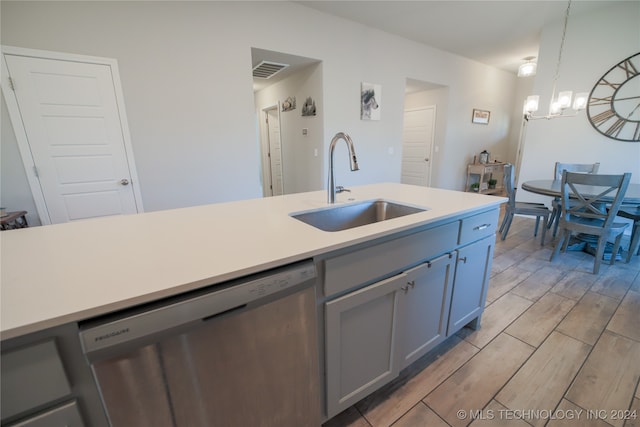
(289, 104)
(309, 107)
(480, 117)
(370, 101)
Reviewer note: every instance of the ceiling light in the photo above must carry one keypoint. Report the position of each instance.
(528, 68)
(562, 101)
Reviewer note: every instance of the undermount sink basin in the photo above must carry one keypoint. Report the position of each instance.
(344, 217)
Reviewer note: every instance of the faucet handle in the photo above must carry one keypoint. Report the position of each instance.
(341, 189)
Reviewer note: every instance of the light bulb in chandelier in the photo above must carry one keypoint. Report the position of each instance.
(531, 104)
(580, 101)
(564, 99)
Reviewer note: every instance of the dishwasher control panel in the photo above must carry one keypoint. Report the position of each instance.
(282, 281)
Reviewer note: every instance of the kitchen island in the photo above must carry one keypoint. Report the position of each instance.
(58, 275)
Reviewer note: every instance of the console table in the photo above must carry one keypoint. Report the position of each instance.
(13, 220)
(481, 173)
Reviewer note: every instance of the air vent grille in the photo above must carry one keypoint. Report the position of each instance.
(267, 69)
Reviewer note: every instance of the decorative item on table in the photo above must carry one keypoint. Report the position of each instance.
(475, 186)
(492, 183)
(484, 157)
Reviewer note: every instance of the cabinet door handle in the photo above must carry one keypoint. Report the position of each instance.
(405, 288)
(463, 259)
(481, 227)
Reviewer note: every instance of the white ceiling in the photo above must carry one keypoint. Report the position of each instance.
(497, 33)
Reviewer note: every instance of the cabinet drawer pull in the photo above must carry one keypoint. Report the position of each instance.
(481, 227)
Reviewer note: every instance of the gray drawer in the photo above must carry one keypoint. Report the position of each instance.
(66, 415)
(31, 377)
(364, 265)
(478, 226)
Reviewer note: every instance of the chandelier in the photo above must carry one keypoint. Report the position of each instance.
(563, 100)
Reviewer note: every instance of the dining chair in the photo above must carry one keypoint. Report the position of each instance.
(539, 210)
(632, 213)
(557, 175)
(585, 213)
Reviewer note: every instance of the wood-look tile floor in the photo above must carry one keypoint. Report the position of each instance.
(558, 346)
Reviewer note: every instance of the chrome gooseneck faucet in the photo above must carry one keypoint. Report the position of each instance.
(352, 159)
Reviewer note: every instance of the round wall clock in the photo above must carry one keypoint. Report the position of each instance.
(614, 102)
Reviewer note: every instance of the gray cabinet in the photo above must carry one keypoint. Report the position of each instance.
(361, 342)
(374, 332)
(425, 307)
(47, 382)
(471, 283)
(438, 284)
(66, 415)
(38, 364)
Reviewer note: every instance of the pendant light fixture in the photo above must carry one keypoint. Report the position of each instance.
(528, 68)
(561, 101)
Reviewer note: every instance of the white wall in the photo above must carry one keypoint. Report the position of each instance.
(594, 43)
(186, 74)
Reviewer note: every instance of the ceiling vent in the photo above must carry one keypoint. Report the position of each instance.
(267, 69)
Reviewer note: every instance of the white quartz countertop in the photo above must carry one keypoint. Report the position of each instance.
(63, 273)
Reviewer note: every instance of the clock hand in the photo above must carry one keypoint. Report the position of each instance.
(634, 110)
(625, 99)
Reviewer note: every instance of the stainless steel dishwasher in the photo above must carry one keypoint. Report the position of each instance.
(243, 353)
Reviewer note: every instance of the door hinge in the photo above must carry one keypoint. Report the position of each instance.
(12, 84)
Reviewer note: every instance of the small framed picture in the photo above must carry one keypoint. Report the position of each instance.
(370, 101)
(480, 117)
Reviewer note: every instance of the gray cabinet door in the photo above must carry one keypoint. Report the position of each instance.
(471, 283)
(426, 307)
(361, 342)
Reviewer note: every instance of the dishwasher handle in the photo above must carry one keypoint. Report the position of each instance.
(128, 328)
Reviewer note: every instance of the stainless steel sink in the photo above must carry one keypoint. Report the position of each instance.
(344, 217)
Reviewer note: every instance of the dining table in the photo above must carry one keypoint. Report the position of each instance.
(551, 187)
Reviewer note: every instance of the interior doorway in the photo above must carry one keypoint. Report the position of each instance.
(417, 145)
(282, 85)
(423, 131)
(70, 123)
(271, 145)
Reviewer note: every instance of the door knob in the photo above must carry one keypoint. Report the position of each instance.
(426, 159)
(124, 181)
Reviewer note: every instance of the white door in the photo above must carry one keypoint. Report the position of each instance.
(68, 114)
(417, 143)
(275, 151)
